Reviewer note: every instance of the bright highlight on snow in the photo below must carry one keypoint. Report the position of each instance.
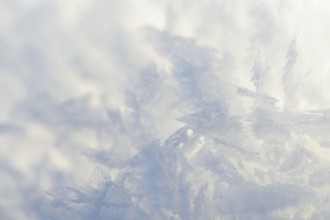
(180, 110)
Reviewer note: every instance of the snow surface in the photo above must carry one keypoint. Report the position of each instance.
(153, 109)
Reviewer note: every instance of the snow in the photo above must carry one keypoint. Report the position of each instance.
(164, 110)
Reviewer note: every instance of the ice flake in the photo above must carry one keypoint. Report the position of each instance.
(291, 58)
(256, 95)
(257, 77)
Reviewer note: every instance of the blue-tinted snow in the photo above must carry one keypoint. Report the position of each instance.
(176, 110)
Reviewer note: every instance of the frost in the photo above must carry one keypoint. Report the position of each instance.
(216, 164)
(161, 110)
